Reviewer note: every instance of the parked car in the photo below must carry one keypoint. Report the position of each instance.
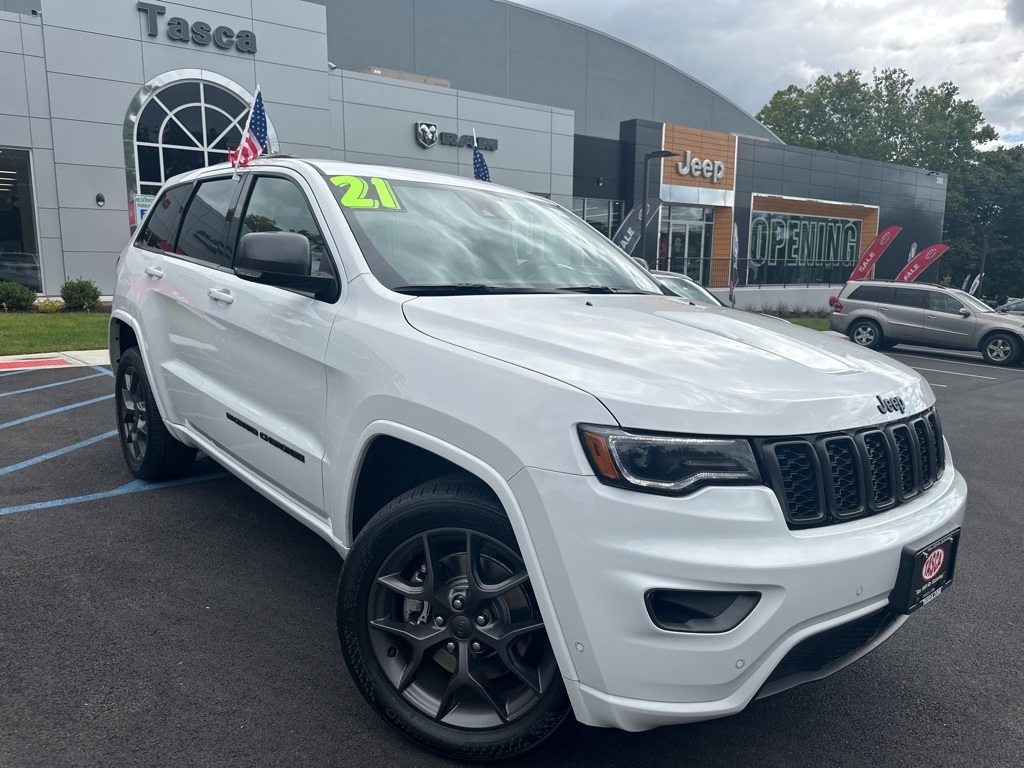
(1014, 306)
(882, 314)
(554, 487)
(687, 287)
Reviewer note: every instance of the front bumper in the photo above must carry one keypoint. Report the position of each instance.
(603, 548)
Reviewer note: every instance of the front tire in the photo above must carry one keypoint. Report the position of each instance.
(866, 333)
(1000, 349)
(440, 627)
(150, 451)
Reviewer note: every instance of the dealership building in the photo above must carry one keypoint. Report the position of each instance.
(102, 101)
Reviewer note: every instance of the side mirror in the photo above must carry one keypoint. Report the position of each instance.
(965, 312)
(279, 258)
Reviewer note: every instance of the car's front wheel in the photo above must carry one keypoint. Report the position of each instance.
(1001, 349)
(866, 333)
(150, 451)
(440, 627)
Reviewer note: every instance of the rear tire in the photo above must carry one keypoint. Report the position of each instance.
(440, 627)
(1000, 349)
(150, 451)
(866, 333)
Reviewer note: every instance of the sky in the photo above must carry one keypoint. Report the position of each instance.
(749, 49)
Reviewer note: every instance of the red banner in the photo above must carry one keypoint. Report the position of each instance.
(876, 249)
(921, 262)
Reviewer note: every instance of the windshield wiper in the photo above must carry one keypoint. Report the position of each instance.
(598, 289)
(462, 289)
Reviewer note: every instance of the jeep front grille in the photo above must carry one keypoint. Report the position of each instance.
(830, 478)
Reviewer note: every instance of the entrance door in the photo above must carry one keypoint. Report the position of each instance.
(685, 242)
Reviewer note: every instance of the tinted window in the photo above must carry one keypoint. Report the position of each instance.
(908, 297)
(158, 231)
(204, 232)
(943, 302)
(277, 205)
(880, 293)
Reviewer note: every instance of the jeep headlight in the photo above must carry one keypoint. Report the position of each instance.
(670, 464)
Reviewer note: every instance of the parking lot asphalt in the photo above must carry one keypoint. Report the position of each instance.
(192, 623)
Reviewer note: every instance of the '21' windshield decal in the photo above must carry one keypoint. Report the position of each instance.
(364, 194)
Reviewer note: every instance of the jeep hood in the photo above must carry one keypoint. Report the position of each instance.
(662, 363)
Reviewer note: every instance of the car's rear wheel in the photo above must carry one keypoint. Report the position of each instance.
(150, 451)
(440, 627)
(866, 333)
(1001, 349)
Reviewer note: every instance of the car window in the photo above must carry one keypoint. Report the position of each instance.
(204, 231)
(687, 290)
(908, 297)
(159, 230)
(879, 293)
(277, 205)
(1016, 306)
(943, 302)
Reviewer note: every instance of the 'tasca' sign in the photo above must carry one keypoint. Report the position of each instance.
(198, 32)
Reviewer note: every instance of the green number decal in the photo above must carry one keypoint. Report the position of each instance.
(357, 193)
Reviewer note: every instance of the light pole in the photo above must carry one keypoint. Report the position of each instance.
(643, 199)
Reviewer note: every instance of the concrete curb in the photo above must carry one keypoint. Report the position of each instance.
(54, 360)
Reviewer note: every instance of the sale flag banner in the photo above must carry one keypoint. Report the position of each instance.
(921, 262)
(876, 249)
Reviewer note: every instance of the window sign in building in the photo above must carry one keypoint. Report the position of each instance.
(19, 252)
(791, 248)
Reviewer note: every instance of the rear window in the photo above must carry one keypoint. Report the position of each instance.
(879, 293)
(908, 297)
(159, 229)
(204, 233)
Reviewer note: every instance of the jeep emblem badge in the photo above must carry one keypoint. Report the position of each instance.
(891, 404)
(426, 134)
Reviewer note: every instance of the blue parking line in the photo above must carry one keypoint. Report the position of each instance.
(15, 373)
(55, 454)
(104, 371)
(54, 384)
(135, 486)
(16, 422)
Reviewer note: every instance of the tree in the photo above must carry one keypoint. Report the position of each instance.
(887, 119)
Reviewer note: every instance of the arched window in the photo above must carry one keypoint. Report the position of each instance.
(183, 126)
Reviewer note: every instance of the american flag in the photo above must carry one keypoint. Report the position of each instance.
(480, 172)
(254, 142)
(734, 271)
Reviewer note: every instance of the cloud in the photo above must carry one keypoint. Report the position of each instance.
(747, 50)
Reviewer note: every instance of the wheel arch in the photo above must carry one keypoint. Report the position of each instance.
(385, 440)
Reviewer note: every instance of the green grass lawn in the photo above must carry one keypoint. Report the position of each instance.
(29, 333)
(814, 323)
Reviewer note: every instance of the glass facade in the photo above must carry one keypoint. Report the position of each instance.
(184, 126)
(19, 245)
(685, 242)
(603, 215)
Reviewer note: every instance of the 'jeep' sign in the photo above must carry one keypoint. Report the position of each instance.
(199, 32)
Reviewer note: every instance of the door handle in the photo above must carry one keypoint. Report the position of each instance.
(155, 272)
(930, 317)
(219, 294)
(883, 309)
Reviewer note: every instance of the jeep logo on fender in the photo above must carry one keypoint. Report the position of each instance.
(891, 404)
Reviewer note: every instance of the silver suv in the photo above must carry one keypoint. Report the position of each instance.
(883, 313)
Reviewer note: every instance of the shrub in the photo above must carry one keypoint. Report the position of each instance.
(15, 297)
(49, 306)
(80, 294)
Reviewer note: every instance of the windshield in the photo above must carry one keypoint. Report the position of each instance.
(423, 238)
(974, 303)
(687, 289)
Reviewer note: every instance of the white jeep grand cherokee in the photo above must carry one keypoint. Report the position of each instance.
(554, 487)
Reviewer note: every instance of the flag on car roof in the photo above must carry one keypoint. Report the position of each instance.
(254, 140)
(734, 266)
(480, 171)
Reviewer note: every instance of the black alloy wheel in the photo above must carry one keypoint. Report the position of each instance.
(150, 451)
(441, 629)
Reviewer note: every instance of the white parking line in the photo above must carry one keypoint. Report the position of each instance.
(954, 373)
(955, 362)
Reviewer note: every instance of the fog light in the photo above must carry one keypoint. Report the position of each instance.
(683, 610)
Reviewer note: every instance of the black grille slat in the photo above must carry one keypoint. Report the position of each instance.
(797, 471)
(830, 478)
(842, 461)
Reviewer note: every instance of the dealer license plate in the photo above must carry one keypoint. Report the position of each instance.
(924, 574)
